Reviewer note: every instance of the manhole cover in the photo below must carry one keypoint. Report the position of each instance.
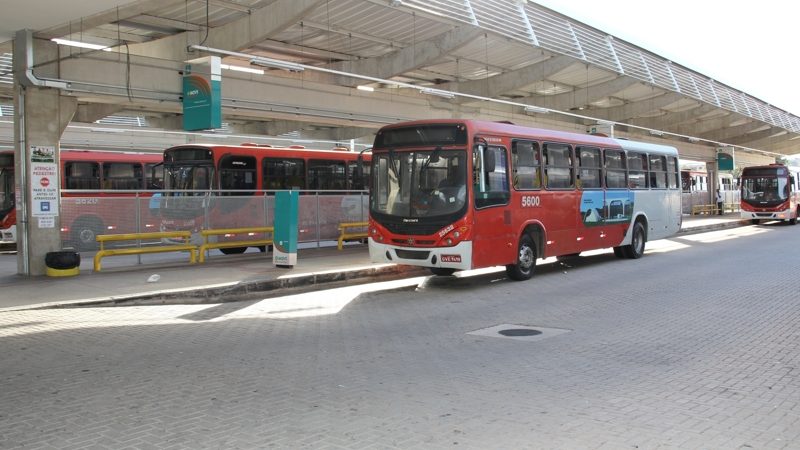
(519, 332)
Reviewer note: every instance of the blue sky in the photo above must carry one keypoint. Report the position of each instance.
(750, 46)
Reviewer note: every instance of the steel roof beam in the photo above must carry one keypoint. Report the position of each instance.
(509, 81)
(239, 34)
(636, 109)
(410, 58)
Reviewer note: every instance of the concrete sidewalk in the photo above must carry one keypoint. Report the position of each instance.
(226, 278)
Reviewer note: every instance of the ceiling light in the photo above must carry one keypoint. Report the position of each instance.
(241, 69)
(694, 139)
(276, 64)
(81, 44)
(656, 133)
(365, 88)
(536, 109)
(437, 92)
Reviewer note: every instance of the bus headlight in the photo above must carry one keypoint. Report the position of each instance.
(456, 235)
(448, 241)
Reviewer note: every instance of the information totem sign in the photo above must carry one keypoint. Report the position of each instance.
(284, 253)
(202, 94)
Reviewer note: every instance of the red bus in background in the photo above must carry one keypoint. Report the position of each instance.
(769, 193)
(460, 194)
(104, 179)
(231, 186)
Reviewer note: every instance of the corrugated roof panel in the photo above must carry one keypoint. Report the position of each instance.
(503, 17)
(552, 32)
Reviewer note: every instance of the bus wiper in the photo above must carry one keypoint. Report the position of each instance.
(433, 158)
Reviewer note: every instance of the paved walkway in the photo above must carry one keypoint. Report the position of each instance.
(233, 276)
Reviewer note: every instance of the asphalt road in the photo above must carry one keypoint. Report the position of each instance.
(696, 345)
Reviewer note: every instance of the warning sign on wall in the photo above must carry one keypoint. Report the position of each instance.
(44, 181)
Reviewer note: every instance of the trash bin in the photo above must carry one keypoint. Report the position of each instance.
(63, 263)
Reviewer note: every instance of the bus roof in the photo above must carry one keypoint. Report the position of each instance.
(509, 129)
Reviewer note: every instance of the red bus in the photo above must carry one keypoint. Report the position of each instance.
(769, 193)
(94, 184)
(231, 186)
(460, 194)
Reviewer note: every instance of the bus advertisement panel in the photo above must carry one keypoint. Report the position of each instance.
(454, 195)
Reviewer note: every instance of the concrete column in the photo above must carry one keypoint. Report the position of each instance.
(41, 115)
(44, 118)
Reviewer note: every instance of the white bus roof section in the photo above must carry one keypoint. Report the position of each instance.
(646, 147)
(416, 53)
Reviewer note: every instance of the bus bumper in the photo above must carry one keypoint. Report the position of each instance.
(772, 215)
(8, 235)
(458, 257)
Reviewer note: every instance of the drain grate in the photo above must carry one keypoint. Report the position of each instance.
(519, 332)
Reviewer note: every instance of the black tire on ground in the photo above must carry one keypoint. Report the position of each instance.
(62, 260)
(233, 250)
(442, 272)
(793, 220)
(525, 264)
(635, 249)
(84, 233)
(754, 221)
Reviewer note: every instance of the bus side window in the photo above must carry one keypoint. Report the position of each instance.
(525, 165)
(82, 175)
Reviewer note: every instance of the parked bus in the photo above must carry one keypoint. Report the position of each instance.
(770, 193)
(103, 179)
(228, 186)
(460, 194)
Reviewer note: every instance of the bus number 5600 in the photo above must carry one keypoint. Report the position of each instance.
(530, 201)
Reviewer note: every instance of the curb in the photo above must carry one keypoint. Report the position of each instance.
(251, 290)
(242, 291)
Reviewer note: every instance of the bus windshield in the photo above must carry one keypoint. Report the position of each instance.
(188, 178)
(6, 190)
(417, 184)
(768, 191)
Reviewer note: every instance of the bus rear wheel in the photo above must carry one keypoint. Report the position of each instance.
(523, 268)
(233, 250)
(635, 249)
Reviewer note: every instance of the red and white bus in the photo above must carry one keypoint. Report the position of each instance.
(96, 182)
(769, 193)
(231, 186)
(460, 194)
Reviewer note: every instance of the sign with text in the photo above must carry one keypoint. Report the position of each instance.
(44, 181)
(202, 94)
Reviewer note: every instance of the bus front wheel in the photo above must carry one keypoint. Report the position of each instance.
(85, 232)
(442, 271)
(522, 269)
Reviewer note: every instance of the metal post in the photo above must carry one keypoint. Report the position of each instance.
(138, 217)
(319, 235)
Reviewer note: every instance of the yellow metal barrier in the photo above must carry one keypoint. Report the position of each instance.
(232, 244)
(344, 232)
(704, 209)
(155, 248)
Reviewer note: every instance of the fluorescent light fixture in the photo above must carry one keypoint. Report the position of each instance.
(437, 92)
(656, 133)
(81, 44)
(536, 109)
(276, 64)
(242, 69)
(694, 139)
(365, 88)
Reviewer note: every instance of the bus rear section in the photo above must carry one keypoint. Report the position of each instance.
(454, 195)
(769, 193)
(8, 216)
